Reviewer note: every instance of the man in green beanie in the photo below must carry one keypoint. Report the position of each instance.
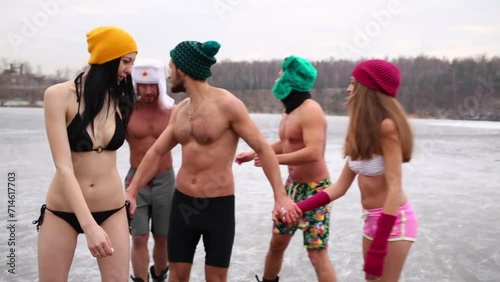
(208, 125)
(301, 147)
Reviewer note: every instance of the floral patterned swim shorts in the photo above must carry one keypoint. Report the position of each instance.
(315, 224)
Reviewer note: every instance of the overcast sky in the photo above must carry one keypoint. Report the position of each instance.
(51, 33)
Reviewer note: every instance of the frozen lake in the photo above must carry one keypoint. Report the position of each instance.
(453, 183)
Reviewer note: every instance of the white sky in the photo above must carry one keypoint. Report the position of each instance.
(51, 33)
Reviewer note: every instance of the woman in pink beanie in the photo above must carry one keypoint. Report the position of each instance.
(379, 141)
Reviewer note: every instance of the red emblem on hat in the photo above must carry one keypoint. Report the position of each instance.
(145, 73)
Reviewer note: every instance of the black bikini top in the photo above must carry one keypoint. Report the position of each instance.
(79, 138)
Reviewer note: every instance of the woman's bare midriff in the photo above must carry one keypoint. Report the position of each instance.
(99, 181)
(374, 191)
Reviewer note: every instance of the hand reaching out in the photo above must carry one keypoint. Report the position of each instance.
(256, 161)
(244, 157)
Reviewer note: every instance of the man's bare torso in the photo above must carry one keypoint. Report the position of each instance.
(208, 146)
(291, 137)
(145, 126)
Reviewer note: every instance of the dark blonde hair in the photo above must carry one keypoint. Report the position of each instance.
(367, 109)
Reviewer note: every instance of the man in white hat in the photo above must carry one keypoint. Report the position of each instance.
(149, 118)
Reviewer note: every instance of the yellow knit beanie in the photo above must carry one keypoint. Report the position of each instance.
(106, 43)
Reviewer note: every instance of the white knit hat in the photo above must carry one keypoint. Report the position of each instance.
(151, 71)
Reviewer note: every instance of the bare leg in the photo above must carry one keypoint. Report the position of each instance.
(116, 267)
(179, 272)
(215, 274)
(160, 256)
(394, 260)
(140, 256)
(274, 257)
(56, 248)
(322, 265)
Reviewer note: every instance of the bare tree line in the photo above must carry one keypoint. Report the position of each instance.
(435, 88)
(466, 88)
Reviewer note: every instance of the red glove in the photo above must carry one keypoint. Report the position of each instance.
(316, 201)
(374, 260)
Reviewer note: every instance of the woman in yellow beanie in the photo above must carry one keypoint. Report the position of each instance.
(85, 121)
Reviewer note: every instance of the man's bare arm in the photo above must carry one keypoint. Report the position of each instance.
(313, 124)
(245, 128)
(277, 147)
(151, 161)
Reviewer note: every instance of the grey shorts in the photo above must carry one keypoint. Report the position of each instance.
(153, 203)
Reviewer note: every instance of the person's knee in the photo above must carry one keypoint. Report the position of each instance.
(140, 240)
(279, 243)
(178, 276)
(117, 270)
(214, 273)
(317, 256)
(115, 276)
(160, 240)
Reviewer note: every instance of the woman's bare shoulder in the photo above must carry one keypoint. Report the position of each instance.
(63, 91)
(388, 126)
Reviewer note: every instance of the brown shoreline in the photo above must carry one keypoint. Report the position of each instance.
(39, 104)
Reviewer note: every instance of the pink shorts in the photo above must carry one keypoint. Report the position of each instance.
(405, 227)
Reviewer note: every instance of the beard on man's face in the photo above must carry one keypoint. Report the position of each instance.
(178, 87)
(149, 98)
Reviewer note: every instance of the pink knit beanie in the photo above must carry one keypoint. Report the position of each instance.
(378, 75)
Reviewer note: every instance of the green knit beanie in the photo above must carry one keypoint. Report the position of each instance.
(298, 74)
(195, 58)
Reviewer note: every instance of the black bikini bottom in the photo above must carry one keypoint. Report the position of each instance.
(72, 220)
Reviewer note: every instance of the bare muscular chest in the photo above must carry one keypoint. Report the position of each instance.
(290, 129)
(144, 123)
(204, 127)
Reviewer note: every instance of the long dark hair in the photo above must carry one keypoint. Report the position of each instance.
(367, 109)
(101, 84)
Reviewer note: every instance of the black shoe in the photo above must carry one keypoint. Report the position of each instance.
(136, 279)
(160, 278)
(277, 279)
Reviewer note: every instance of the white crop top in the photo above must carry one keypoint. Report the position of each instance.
(372, 167)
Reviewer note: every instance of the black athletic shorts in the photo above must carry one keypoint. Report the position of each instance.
(191, 218)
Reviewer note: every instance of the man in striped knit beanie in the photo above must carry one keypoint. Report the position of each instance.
(208, 125)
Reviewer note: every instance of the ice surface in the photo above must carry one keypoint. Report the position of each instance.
(453, 183)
